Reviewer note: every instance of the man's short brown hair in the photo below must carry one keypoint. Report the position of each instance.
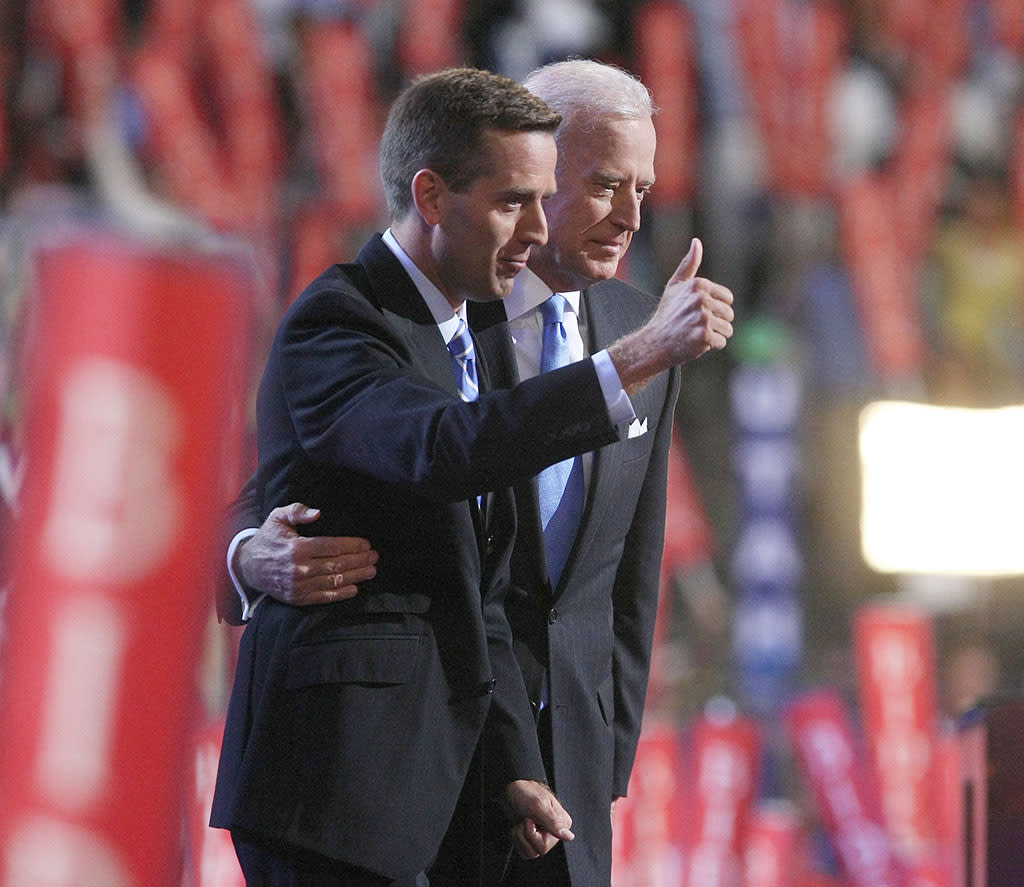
(439, 122)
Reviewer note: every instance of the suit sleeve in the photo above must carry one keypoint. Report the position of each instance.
(348, 386)
(635, 597)
(241, 514)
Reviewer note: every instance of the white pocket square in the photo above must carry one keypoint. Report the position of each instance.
(636, 428)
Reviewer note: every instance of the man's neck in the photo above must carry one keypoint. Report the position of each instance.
(413, 236)
(554, 278)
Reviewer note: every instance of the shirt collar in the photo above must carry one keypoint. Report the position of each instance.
(447, 320)
(529, 291)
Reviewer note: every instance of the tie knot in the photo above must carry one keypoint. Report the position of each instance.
(461, 344)
(553, 309)
(461, 349)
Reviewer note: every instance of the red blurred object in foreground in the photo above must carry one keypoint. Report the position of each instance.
(136, 367)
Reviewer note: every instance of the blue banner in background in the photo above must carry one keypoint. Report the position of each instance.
(767, 562)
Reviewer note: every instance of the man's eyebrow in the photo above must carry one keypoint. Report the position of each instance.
(611, 178)
(519, 193)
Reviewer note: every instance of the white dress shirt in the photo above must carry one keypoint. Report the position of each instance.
(522, 307)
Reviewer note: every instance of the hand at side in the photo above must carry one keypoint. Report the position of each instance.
(540, 819)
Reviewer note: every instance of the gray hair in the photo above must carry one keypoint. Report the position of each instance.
(585, 92)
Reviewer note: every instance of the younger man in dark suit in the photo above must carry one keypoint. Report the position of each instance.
(352, 726)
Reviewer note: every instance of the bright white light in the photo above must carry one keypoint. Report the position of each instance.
(942, 489)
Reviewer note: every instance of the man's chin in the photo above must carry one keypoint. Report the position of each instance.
(501, 288)
(597, 270)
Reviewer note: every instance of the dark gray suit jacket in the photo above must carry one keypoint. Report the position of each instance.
(592, 634)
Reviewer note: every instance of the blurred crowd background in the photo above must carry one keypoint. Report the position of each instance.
(855, 170)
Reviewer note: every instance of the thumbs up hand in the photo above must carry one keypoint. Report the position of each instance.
(694, 316)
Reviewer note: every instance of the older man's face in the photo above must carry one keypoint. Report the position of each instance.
(603, 178)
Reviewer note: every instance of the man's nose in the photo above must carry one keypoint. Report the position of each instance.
(533, 225)
(626, 209)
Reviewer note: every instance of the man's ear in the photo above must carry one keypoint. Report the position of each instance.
(429, 193)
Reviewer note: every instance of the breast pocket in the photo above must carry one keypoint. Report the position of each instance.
(373, 660)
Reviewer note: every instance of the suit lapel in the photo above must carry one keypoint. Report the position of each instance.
(401, 303)
(391, 289)
(605, 324)
(607, 319)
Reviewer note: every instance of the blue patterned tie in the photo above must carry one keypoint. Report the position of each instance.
(464, 356)
(561, 485)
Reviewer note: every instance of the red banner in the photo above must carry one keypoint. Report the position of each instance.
(904, 22)
(920, 168)
(895, 654)
(949, 786)
(1008, 24)
(822, 736)
(947, 45)
(792, 52)
(85, 36)
(686, 558)
(884, 278)
(666, 57)
(775, 852)
(428, 36)
(688, 539)
(722, 779)
(816, 54)
(316, 244)
(247, 106)
(194, 69)
(179, 145)
(646, 849)
(929, 36)
(136, 371)
(944, 868)
(338, 74)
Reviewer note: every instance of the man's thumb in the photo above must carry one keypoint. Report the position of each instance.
(297, 513)
(687, 269)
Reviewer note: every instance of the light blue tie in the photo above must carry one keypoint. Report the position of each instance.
(464, 357)
(560, 485)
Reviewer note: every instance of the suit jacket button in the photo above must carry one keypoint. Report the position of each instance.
(487, 687)
(552, 616)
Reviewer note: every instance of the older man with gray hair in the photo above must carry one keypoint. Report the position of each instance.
(584, 599)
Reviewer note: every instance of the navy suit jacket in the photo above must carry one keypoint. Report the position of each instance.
(591, 635)
(351, 726)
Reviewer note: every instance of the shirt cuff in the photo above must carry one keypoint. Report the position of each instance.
(248, 604)
(620, 408)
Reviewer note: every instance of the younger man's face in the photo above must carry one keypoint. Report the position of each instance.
(487, 232)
